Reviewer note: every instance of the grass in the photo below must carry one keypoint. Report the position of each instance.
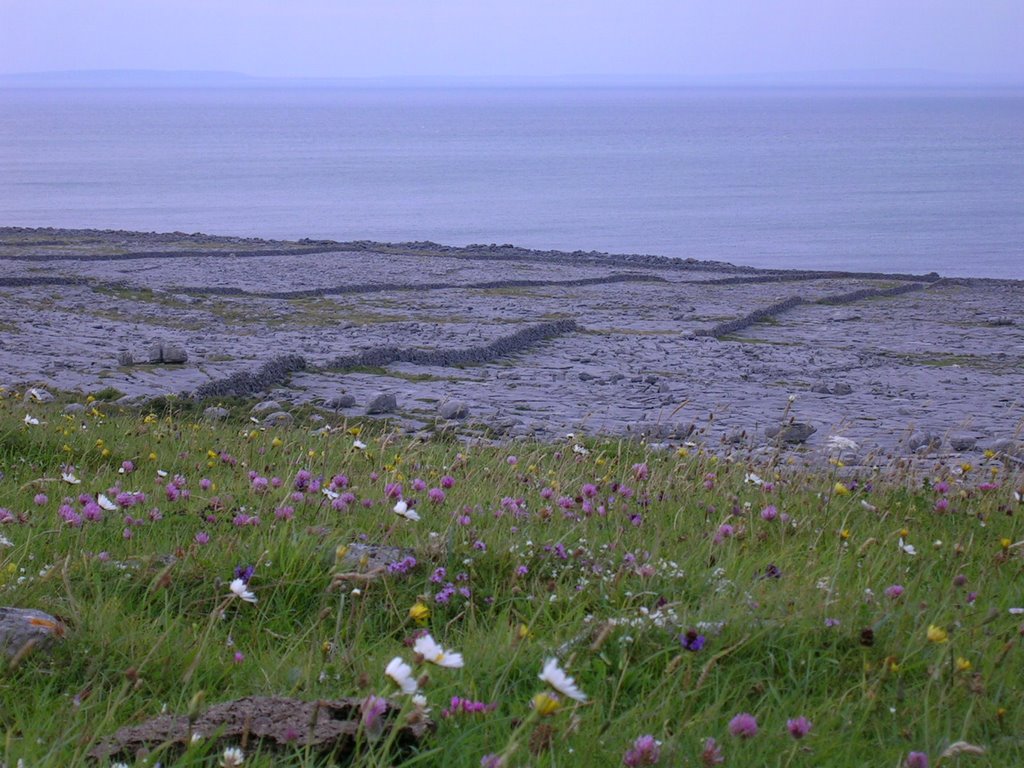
(599, 554)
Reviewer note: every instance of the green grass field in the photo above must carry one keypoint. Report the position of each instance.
(677, 589)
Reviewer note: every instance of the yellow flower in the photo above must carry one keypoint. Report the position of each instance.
(962, 664)
(211, 454)
(1005, 543)
(844, 534)
(840, 490)
(523, 632)
(966, 468)
(277, 442)
(99, 442)
(105, 452)
(989, 453)
(937, 634)
(355, 431)
(419, 613)
(546, 704)
(152, 456)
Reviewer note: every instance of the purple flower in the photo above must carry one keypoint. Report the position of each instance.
(744, 726)
(646, 750)
(371, 715)
(202, 537)
(492, 760)
(40, 499)
(447, 481)
(711, 755)
(799, 727)
(302, 478)
(691, 641)
(769, 513)
(419, 485)
(893, 591)
(917, 760)
(641, 472)
(436, 495)
(244, 572)
(829, 623)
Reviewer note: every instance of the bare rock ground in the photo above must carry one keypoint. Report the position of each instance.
(581, 342)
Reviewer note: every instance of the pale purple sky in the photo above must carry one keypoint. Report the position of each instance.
(372, 38)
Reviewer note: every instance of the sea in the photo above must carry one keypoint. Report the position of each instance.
(870, 180)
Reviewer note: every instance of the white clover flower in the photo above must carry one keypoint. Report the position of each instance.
(232, 757)
(554, 676)
(240, 589)
(401, 673)
(402, 509)
(432, 651)
(106, 503)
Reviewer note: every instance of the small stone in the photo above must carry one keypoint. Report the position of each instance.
(125, 358)
(72, 409)
(842, 388)
(584, 376)
(382, 403)
(821, 388)
(215, 413)
(341, 401)
(279, 419)
(266, 405)
(795, 432)
(453, 409)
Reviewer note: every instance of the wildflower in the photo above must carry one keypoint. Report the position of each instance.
(492, 760)
(31, 421)
(646, 750)
(769, 513)
(419, 613)
(937, 634)
(40, 499)
(837, 443)
(962, 664)
(546, 704)
(799, 727)
(106, 503)
(68, 477)
(359, 445)
(907, 548)
(554, 676)
(401, 673)
(744, 725)
(751, 477)
(840, 489)
(692, 641)
(402, 510)
(432, 651)
(371, 711)
(711, 755)
(893, 591)
(232, 757)
(917, 760)
(240, 588)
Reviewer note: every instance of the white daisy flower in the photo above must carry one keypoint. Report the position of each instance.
(432, 651)
(31, 421)
(359, 445)
(106, 503)
(332, 495)
(751, 477)
(837, 443)
(240, 589)
(69, 478)
(402, 509)
(554, 676)
(908, 548)
(401, 673)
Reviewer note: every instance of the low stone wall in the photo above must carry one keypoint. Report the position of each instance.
(272, 373)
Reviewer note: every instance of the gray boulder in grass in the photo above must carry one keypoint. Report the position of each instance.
(23, 630)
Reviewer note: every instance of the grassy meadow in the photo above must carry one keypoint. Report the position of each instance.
(709, 612)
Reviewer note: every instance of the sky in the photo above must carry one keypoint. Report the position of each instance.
(525, 38)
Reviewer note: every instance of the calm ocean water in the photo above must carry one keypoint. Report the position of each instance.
(897, 181)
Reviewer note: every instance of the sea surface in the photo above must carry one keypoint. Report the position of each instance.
(887, 180)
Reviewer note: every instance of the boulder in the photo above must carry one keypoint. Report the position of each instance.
(125, 358)
(266, 405)
(341, 401)
(821, 388)
(962, 441)
(923, 441)
(279, 419)
(453, 409)
(382, 403)
(167, 353)
(794, 432)
(842, 388)
(23, 630)
(215, 413)
(71, 409)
